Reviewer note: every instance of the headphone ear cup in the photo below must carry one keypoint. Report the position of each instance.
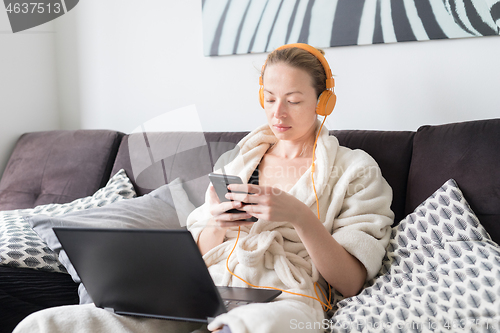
(326, 103)
(261, 96)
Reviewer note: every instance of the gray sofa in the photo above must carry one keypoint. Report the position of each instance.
(61, 166)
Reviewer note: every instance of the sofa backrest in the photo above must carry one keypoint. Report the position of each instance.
(60, 166)
(392, 150)
(162, 157)
(57, 167)
(154, 159)
(468, 152)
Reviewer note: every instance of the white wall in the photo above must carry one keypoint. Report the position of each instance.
(116, 64)
(402, 86)
(28, 92)
(138, 62)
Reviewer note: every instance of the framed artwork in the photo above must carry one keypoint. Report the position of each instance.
(248, 26)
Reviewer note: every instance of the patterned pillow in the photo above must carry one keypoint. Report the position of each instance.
(441, 273)
(20, 246)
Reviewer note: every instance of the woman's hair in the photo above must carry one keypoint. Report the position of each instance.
(302, 59)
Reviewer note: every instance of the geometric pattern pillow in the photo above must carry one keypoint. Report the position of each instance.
(441, 273)
(20, 246)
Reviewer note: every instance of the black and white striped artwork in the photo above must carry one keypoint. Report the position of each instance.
(252, 26)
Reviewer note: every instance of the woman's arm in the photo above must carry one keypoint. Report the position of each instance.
(338, 267)
(210, 237)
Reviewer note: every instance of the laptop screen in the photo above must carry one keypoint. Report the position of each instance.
(154, 273)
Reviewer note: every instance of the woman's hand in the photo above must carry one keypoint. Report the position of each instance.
(213, 234)
(220, 218)
(268, 203)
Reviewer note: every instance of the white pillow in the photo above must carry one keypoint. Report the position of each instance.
(181, 202)
(151, 211)
(20, 246)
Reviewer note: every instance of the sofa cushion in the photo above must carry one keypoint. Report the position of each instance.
(155, 158)
(467, 152)
(57, 167)
(440, 274)
(392, 150)
(21, 247)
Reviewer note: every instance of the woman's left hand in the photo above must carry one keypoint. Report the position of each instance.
(268, 203)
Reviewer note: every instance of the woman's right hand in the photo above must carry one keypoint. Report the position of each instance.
(220, 218)
(213, 234)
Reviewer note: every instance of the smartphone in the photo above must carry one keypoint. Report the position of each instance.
(220, 183)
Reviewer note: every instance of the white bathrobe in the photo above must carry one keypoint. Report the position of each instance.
(354, 204)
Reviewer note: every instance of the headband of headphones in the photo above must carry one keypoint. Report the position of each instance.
(327, 99)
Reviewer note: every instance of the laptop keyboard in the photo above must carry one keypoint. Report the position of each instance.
(230, 304)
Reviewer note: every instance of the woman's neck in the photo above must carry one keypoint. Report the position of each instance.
(292, 149)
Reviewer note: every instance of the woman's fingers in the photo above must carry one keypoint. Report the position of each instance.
(220, 212)
(243, 193)
(247, 188)
(232, 219)
(218, 209)
(229, 217)
(252, 194)
(265, 202)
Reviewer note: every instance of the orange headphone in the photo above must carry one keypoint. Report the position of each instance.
(327, 99)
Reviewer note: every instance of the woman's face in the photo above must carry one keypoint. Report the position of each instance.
(290, 102)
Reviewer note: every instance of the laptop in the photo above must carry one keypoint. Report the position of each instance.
(150, 273)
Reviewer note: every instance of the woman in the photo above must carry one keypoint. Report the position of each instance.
(291, 246)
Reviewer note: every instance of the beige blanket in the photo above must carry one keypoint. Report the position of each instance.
(354, 202)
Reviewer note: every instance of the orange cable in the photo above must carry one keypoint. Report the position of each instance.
(325, 307)
(313, 167)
